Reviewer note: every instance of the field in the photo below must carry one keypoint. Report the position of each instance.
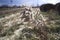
(40, 26)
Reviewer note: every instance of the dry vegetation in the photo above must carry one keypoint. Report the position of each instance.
(39, 26)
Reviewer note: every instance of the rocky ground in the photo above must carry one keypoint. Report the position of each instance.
(29, 24)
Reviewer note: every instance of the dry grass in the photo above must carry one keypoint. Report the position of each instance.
(13, 27)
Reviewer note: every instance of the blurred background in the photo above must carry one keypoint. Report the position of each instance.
(27, 2)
